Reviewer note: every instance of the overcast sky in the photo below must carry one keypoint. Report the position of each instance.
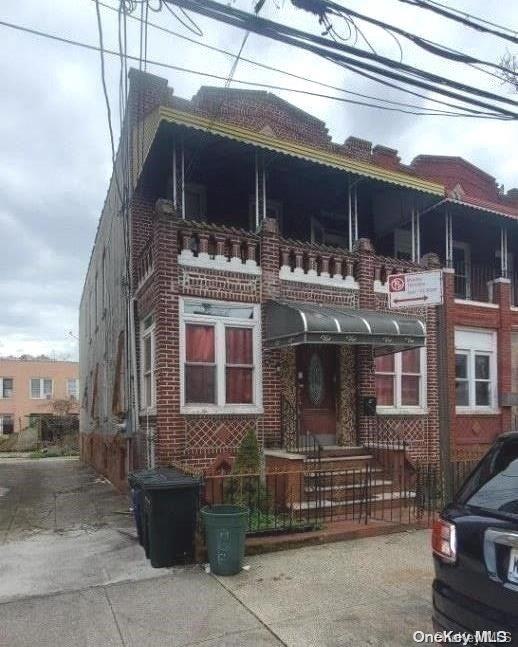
(55, 159)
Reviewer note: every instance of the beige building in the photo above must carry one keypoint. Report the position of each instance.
(30, 387)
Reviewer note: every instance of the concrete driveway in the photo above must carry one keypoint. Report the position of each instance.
(72, 573)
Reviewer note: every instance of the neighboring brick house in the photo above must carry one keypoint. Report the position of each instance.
(246, 221)
(30, 387)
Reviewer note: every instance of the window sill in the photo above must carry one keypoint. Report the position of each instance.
(474, 411)
(401, 411)
(148, 412)
(226, 410)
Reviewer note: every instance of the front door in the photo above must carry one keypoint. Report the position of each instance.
(317, 384)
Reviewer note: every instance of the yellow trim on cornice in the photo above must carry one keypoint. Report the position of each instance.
(298, 150)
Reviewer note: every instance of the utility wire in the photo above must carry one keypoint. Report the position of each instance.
(298, 76)
(325, 48)
(68, 41)
(458, 16)
(322, 7)
(478, 18)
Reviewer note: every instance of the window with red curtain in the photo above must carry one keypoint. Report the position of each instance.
(385, 380)
(200, 364)
(239, 366)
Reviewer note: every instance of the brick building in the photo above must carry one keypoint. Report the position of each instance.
(247, 289)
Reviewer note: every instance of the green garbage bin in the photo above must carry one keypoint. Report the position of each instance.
(225, 529)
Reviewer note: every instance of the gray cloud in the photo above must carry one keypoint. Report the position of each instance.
(55, 156)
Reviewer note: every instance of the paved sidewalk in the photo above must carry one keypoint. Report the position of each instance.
(72, 573)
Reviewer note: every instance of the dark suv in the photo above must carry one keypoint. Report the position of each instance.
(475, 546)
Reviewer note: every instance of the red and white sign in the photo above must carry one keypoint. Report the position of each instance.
(415, 289)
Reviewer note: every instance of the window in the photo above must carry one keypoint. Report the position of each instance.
(41, 388)
(403, 244)
(6, 423)
(195, 202)
(400, 381)
(220, 345)
(475, 369)
(147, 346)
(6, 387)
(73, 388)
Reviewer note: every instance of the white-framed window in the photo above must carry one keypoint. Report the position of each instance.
(147, 364)
(6, 423)
(73, 388)
(401, 381)
(6, 387)
(220, 357)
(475, 370)
(41, 388)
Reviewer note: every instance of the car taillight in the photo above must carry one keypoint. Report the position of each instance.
(444, 540)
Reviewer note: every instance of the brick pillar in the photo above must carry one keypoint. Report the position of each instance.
(170, 425)
(365, 382)
(446, 327)
(270, 264)
(502, 292)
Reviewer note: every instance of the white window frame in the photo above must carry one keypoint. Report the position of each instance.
(486, 345)
(42, 395)
(220, 323)
(397, 408)
(76, 394)
(149, 331)
(7, 397)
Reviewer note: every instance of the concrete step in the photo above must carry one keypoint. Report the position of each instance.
(340, 476)
(375, 503)
(338, 451)
(348, 491)
(328, 463)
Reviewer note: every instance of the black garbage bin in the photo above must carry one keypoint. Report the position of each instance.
(169, 505)
(136, 502)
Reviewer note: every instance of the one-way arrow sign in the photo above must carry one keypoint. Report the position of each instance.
(415, 289)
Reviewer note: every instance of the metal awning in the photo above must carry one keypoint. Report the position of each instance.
(290, 323)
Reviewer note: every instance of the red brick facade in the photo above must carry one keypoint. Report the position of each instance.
(160, 239)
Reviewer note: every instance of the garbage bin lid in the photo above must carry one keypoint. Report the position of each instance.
(162, 478)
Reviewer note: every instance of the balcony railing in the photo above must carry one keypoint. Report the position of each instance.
(312, 263)
(219, 248)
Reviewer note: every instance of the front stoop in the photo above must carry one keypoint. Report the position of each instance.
(336, 480)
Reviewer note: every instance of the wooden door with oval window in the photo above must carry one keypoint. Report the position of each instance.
(317, 384)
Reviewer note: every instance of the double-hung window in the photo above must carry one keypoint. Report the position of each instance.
(220, 357)
(41, 388)
(147, 349)
(73, 388)
(475, 370)
(400, 381)
(6, 387)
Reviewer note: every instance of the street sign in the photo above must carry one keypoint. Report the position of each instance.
(415, 289)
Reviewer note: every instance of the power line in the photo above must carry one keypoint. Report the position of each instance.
(458, 16)
(324, 48)
(323, 7)
(468, 15)
(297, 76)
(178, 68)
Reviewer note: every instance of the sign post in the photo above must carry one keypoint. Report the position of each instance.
(426, 289)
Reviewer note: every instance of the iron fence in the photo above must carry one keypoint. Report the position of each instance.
(305, 500)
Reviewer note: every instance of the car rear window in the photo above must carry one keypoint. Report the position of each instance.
(494, 483)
